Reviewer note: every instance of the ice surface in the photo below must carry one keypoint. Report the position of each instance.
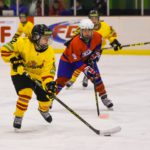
(127, 80)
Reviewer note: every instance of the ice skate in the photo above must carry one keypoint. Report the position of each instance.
(85, 81)
(106, 101)
(69, 84)
(17, 122)
(46, 115)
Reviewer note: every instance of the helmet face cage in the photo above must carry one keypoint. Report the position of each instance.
(86, 24)
(37, 32)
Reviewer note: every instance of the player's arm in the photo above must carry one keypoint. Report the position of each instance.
(28, 29)
(18, 32)
(76, 32)
(86, 69)
(112, 34)
(16, 35)
(10, 54)
(9, 51)
(47, 76)
(95, 55)
(113, 39)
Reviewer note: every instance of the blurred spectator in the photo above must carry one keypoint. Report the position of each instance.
(39, 8)
(35, 8)
(32, 8)
(56, 8)
(101, 6)
(80, 10)
(88, 6)
(46, 7)
(22, 7)
(3, 7)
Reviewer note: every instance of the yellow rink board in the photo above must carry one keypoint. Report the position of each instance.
(120, 52)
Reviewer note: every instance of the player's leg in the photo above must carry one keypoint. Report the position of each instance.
(65, 71)
(100, 88)
(23, 88)
(44, 104)
(73, 78)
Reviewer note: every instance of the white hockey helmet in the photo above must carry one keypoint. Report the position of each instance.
(86, 24)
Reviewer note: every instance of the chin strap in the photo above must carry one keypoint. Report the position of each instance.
(40, 49)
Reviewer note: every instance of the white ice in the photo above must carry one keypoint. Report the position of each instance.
(127, 80)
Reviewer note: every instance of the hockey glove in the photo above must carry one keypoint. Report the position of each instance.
(95, 56)
(116, 45)
(18, 65)
(51, 88)
(90, 73)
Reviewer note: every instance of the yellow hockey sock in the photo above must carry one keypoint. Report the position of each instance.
(44, 106)
(22, 102)
(75, 75)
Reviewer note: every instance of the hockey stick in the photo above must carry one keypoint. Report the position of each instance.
(96, 98)
(99, 132)
(129, 45)
(108, 132)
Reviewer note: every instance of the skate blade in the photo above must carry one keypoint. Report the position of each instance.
(16, 130)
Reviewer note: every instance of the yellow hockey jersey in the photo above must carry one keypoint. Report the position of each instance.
(40, 66)
(107, 32)
(24, 29)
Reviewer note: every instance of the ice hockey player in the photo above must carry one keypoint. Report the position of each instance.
(107, 32)
(81, 51)
(34, 57)
(25, 27)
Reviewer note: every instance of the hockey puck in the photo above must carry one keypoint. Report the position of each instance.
(107, 135)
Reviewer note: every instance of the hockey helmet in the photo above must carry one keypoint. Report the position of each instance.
(38, 31)
(86, 24)
(93, 13)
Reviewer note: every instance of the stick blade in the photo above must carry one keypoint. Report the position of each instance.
(111, 131)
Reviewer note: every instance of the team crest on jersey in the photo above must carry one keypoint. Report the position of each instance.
(32, 64)
(86, 53)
